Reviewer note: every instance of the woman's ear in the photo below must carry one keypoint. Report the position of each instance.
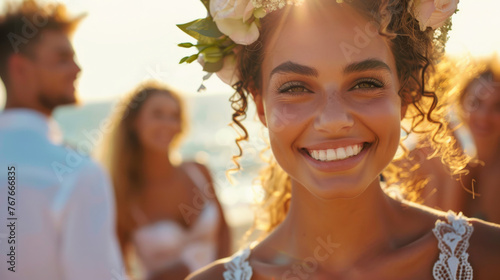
(259, 103)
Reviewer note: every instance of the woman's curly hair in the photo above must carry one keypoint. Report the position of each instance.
(415, 53)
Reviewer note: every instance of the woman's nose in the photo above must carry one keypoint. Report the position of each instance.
(334, 116)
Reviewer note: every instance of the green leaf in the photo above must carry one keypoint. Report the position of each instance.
(213, 66)
(205, 27)
(212, 54)
(229, 48)
(206, 3)
(185, 45)
(201, 28)
(184, 27)
(205, 42)
(183, 59)
(192, 58)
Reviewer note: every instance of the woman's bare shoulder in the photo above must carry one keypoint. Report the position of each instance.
(486, 229)
(484, 249)
(213, 271)
(200, 166)
(236, 266)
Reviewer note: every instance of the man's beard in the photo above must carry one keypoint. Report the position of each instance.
(50, 103)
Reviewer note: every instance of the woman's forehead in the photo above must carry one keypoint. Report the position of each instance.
(333, 33)
(161, 99)
(484, 87)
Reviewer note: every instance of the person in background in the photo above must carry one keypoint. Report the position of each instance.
(168, 214)
(480, 110)
(476, 99)
(58, 204)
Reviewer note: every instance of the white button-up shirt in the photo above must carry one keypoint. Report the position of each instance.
(56, 206)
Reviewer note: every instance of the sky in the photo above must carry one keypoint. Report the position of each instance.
(123, 42)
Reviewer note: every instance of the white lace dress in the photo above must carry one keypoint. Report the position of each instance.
(453, 241)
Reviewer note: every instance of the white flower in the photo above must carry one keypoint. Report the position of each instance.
(233, 18)
(228, 73)
(434, 13)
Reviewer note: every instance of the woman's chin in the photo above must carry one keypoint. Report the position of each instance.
(160, 148)
(340, 189)
(339, 193)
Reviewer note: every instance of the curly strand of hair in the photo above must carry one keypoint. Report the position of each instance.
(430, 94)
(239, 103)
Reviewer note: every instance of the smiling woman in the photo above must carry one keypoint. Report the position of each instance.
(168, 216)
(332, 81)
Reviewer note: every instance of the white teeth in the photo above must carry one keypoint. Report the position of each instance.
(322, 155)
(349, 151)
(356, 149)
(341, 154)
(315, 154)
(336, 154)
(330, 154)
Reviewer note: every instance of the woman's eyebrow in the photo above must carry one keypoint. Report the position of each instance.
(368, 64)
(292, 67)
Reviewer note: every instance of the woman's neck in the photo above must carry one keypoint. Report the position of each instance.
(489, 153)
(347, 230)
(155, 165)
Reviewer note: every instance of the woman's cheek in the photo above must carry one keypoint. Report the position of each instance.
(385, 107)
(283, 116)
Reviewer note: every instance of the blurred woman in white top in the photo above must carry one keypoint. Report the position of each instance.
(168, 214)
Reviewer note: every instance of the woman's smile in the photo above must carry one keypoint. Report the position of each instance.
(334, 154)
(333, 160)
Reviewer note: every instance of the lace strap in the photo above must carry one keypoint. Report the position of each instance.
(453, 237)
(238, 268)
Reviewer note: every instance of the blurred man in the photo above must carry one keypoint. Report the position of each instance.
(56, 208)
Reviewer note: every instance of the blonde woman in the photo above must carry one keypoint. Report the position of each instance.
(480, 107)
(477, 87)
(168, 214)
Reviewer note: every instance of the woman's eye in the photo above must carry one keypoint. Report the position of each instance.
(368, 84)
(296, 89)
(293, 87)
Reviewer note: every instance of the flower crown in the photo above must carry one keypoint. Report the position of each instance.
(231, 24)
